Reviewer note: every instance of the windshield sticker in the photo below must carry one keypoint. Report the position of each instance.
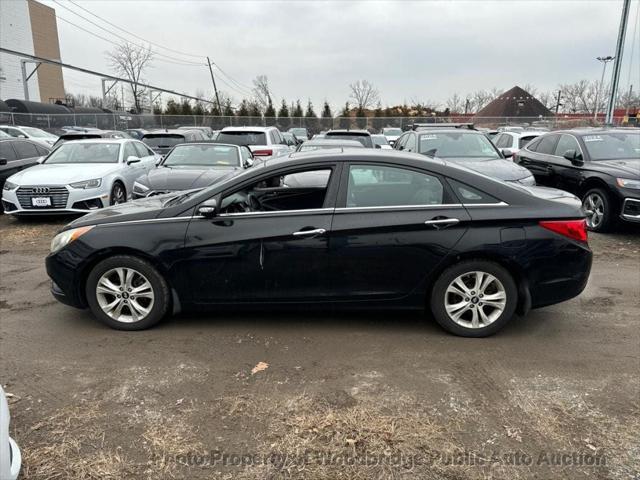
(592, 138)
(428, 137)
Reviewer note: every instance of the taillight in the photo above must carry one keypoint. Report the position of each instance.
(573, 229)
(262, 153)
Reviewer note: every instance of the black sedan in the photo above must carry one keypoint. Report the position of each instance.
(601, 166)
(193, 165)
(382, 230)
(465, 146)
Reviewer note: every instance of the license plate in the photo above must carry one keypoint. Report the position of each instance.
(41, 201)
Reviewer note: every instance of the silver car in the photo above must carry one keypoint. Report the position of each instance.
(10, 458)
(79, 176)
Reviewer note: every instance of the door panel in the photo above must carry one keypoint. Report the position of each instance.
(257, 257)
(387, 253)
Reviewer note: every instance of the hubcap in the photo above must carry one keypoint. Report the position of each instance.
(125, 295)
(593, 206)
(475, 299)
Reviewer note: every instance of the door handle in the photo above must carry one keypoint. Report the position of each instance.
(309, 233)
(442, 222)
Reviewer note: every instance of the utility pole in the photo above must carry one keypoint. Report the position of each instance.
(604, 61)
(618, 61)
(558, 104)
(215, 89)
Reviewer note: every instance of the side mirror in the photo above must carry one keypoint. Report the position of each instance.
(248, 163)
(574, 157)
(3, 161)
(22, 136)
(378, 146)
(208, 208)
(507, 152)
(131, 159)
(39, 160)
(401, 147)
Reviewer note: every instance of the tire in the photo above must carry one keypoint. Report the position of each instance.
(501, 289)
(598, 207)
(118, 194)
(137, 312)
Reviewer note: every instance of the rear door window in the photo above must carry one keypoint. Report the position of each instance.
(470, 195)
(26, 150)
(547, 144)
(7, 152)
(382, 186)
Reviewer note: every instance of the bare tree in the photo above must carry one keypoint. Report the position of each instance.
(130, 61)
(364, 94)
(82, 100)
(455, 103)
(261, 91)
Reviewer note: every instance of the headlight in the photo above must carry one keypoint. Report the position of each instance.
(529, 181)
(95, 183)
(65, 238)
(628, 183)
(9, 186)
(140, 188)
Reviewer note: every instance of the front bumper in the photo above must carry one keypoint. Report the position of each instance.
(64, 269)
(630, 210)
(62, 199)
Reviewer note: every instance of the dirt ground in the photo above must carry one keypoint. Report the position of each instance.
(339, 395)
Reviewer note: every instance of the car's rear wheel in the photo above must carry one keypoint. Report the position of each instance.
(474, 298)
(127, 293)
(118, 194)
(598, 208)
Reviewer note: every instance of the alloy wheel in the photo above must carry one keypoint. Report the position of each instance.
(593, 206)
(475, 299)
(117, 195)
(125, 295)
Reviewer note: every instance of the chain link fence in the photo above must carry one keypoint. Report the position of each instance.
(123, 121)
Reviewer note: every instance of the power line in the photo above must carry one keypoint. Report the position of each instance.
(179, 61)
(133, 34)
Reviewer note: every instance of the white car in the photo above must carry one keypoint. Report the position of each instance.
(45, 138)
(264, 142)
(79, 176)
(510, 142)
(10, 458)
(392, 134)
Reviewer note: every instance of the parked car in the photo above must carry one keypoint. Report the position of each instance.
(510, 143)
(78, 176)
(35, 134)
(264, 142)
(301, 133)
(87, 134)
(380, 141)
(207, 132)
(467, 147)
(193, 165)
(601, 166)
(392, 134)
(291, 140)
(386, 229)
(10, 457)
(4, 135)
(161, 141)
(325, 144)
(17, 154)
(361, 136)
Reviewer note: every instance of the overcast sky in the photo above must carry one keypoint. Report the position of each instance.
(424, 50)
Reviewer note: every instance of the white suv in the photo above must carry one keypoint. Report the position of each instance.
(264, 142)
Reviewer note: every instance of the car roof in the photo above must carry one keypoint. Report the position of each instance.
(348, 132)
(591, 131)
(100, 140)
(247, 129)
(467, 131)
(209, 142)
(168, 131)
(336, 142)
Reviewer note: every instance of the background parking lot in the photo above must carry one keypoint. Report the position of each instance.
(90, 402)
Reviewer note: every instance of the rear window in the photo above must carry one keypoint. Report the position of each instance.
(161, 141)
(365, 140)
(242, 138)
(76, 136)
(524, 140)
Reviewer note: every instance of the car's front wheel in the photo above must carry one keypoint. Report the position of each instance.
(598, 208)
(127, 293)
(118, 194)
(474, 298)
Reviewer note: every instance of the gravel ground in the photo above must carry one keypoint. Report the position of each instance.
(337, 395)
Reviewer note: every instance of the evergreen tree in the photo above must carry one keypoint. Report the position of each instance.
(297, 111)
(199, 110)
(345, 116)
(157, 109)
(254, 110)
(327, 116)
(173, 108)
(270, 113)
(243, 110)
(185, 107)
(284, 122)
(311, 119)
(227, 109)
(378, 121)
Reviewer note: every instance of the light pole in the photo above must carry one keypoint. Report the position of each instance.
(604, 61)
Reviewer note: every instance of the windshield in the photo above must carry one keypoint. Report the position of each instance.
(299, 132)
(203, 155)
(242, 138)
(365, 140)
(37, 133)
(613, 145)
(457, 145)
(85, 153)
(392, 131)
(160, 141)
